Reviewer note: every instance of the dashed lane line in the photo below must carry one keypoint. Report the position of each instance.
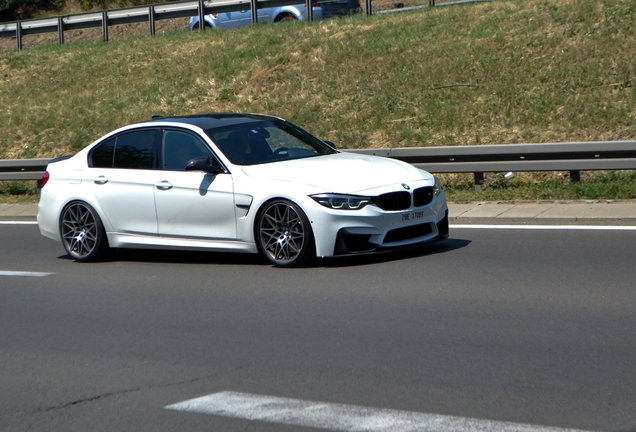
(340, 417)
(21, 273)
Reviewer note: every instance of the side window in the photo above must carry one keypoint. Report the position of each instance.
(179, 147)
(102, 155)
(135, 150)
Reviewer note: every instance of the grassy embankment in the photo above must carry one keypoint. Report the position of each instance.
(489, 73)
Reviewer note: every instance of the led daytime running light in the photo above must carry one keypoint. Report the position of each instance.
(342, 202)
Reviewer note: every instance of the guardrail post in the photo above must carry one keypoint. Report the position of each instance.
(151, 20)
(60, 30)
(479, 179)
(18, 34)
(310, 10)
(254, 10)
(201, 10)
(105, 25)
(431, 3)
(575, 176)
(367, 6)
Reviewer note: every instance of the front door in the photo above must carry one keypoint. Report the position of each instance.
(192, 204)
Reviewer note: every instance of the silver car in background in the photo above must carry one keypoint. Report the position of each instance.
(298, 12)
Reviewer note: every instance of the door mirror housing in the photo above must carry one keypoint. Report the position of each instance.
(206, 164)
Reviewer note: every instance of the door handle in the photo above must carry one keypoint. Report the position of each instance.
(163, 185)
(100, 180)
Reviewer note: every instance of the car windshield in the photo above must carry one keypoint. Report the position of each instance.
(266, 141)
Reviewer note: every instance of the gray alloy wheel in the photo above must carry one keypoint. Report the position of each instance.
(284, 234)
(82, 232)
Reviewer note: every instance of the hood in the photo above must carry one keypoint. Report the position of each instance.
(340, 172)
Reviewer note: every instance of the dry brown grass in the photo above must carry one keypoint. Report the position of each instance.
(489, 73)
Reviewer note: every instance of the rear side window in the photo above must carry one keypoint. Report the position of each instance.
(102, 155)
(132, 150)
(135, 150)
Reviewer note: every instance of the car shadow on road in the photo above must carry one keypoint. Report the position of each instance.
(179, 257)
(223, 258)
(427, 249)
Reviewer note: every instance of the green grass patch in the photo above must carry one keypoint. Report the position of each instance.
(610, 185)
(18, 192)
(501, 72)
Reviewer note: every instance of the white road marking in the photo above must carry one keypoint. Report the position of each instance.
(19, 273)
(549, 227)
(340, 417)
(18, 223)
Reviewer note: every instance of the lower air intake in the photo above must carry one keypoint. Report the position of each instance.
(407, 233)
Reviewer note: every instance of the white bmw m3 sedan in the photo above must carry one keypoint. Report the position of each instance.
(235, 182)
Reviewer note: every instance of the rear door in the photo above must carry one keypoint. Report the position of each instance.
(122, 171)
(235, 19)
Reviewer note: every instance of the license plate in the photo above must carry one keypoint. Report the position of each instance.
(407, 217)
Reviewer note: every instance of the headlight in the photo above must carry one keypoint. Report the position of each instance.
(437, 189)
(342, 202)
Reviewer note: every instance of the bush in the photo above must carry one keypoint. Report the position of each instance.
(11, 10)
(18, 188)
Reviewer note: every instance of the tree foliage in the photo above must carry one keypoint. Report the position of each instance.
(20, 9)
(11, 10)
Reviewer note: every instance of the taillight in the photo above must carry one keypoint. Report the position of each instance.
(313, 5)
(45, 178)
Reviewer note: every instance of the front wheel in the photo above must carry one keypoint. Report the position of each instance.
(284, 234)
(83, 234)
(287, 18)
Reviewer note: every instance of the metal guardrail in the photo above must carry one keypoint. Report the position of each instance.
(572, 157)
(156, 12)
(137, 14)
(23, 169)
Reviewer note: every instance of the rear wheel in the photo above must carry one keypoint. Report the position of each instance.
(284, 234)
(196, 26)
(82, 231)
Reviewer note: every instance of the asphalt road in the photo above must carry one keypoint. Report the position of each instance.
(520, 326)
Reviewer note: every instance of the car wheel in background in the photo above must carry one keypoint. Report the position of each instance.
(196, 26)
(284, 234)
(287, 18)
(82, 231)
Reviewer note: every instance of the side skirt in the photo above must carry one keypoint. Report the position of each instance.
(125, 240)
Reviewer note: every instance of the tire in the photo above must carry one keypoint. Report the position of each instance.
(284, 234)
(287, 18)
(196, 27)
(82, 232)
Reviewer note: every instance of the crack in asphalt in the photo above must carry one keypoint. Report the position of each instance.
(124, 392)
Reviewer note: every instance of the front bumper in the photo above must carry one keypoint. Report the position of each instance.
(372, 229)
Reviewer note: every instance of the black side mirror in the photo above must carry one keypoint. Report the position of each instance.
(207, 164)
(331, 143)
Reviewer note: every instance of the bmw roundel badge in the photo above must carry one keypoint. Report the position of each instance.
(405, 186)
